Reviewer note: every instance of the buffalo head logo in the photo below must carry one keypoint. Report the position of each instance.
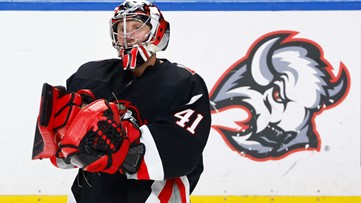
(265, 104)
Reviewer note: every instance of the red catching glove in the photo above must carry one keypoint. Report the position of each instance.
(97, 142)
(57, 111)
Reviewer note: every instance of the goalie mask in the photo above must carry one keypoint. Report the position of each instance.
(138, 30)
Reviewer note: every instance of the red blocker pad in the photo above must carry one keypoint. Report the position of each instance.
(57, 110)
(44, 145)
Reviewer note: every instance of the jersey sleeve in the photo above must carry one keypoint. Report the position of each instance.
(175, 139)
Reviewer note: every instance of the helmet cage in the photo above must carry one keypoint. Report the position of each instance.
(136, 36)
(147, 13)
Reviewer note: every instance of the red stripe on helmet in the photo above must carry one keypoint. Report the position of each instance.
(160, 32)
(144, 51)
(133, 57)
(125, 59)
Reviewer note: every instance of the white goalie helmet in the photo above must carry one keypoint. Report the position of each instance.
(132, 47)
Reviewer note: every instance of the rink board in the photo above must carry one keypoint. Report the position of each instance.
(202, 199)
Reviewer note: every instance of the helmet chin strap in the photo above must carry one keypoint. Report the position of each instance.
(134, 57)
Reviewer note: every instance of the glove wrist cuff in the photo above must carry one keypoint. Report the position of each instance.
(134, 158)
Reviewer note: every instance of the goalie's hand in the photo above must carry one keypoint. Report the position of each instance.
(98, 142)
(95, 141)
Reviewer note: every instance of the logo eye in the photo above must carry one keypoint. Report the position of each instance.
(277, 95)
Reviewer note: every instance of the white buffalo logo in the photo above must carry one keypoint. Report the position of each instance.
(265, 104)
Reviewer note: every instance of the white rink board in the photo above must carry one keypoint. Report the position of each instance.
(43, 46)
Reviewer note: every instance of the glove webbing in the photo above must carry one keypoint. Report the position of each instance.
(107, 139)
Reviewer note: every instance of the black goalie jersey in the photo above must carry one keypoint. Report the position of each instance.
(171, 105)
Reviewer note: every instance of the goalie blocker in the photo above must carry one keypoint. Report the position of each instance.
(93, 138)
(57, 110)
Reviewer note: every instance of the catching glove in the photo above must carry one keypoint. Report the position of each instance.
(97, 142)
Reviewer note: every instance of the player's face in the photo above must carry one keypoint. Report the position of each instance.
(132, 32)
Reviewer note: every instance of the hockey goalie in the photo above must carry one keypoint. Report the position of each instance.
(139, 134)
